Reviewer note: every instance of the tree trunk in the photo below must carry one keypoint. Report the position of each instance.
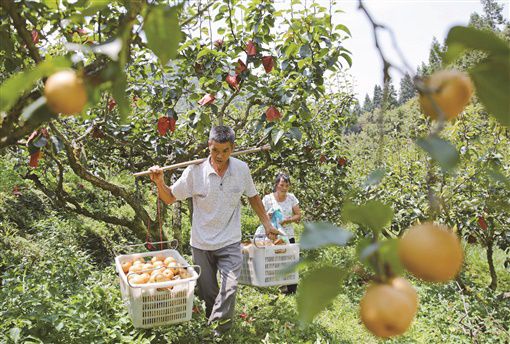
(490, 261)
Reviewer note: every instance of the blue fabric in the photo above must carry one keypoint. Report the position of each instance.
(276, 218)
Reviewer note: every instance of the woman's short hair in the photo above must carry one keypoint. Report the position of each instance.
(279, 177)
(222, 134)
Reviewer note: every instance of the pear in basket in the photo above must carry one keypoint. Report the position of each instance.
(157, 259)
(152, 279)
(174, 266)
(163, 278)
(126, 266)
(147, 266)
(168, 273)
(133, 277)
(136, 268)
(183, 272)
(145, 277)
(158, 264)
(137, 262)
(138, 279)
(138, 259)
(168, 260)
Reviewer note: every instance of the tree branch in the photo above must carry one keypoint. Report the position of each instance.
(20, 25)
(141, 215)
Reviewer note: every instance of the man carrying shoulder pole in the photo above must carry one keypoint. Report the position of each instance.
(216, 186)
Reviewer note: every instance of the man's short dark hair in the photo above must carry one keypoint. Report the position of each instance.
(222, 134)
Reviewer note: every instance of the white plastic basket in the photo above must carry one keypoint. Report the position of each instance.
(150, 307)
(262, 265)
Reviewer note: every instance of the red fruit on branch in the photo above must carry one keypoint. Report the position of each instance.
(111, 104)
(233, 81)
(482, 223)
(34, 159)
(218, 44)
(163, 125)
(35, 36)
(268, 63)
(251, 49)
(342, 161)
(241, 67)
(207, 99)
(322, 159)
(272, 114)
(81, 31)
(243, 315)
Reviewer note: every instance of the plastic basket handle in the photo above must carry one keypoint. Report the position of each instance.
(162, 284)
(261, 236)
(173, 245)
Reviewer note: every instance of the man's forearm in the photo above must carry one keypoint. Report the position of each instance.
(165, 194)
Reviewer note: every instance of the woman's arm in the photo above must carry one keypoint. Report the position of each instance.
(296, 217)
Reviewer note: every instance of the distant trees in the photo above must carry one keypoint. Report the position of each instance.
(492, 17)
(367, 104)
(407, 90)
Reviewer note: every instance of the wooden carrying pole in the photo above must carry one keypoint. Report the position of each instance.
(198, 161)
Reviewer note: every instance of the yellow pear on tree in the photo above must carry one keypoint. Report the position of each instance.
(65, 92)
(451, 90)
(431, 252)
(388, 310)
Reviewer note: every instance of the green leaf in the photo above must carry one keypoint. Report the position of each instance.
(203, 52)
(461, 38)
(497, 176)
(318, 234)
(15, 334)
(19, 83)
(296, 133)
(291, 50)
(163, 31)
(492, 82)
(119, 93)
(58, 145)
(374, 177)
(110, 49)
(6, 43)
(52, 4)
(317, 290)
(347, 58)
(276, 135)
(343, 28)
(373, 215)
(305, 51)
(388, 253)
(366, 248)
(440, 150)
(94, 6)
(38, 112)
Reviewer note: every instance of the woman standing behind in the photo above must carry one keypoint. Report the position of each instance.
(288, 204)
